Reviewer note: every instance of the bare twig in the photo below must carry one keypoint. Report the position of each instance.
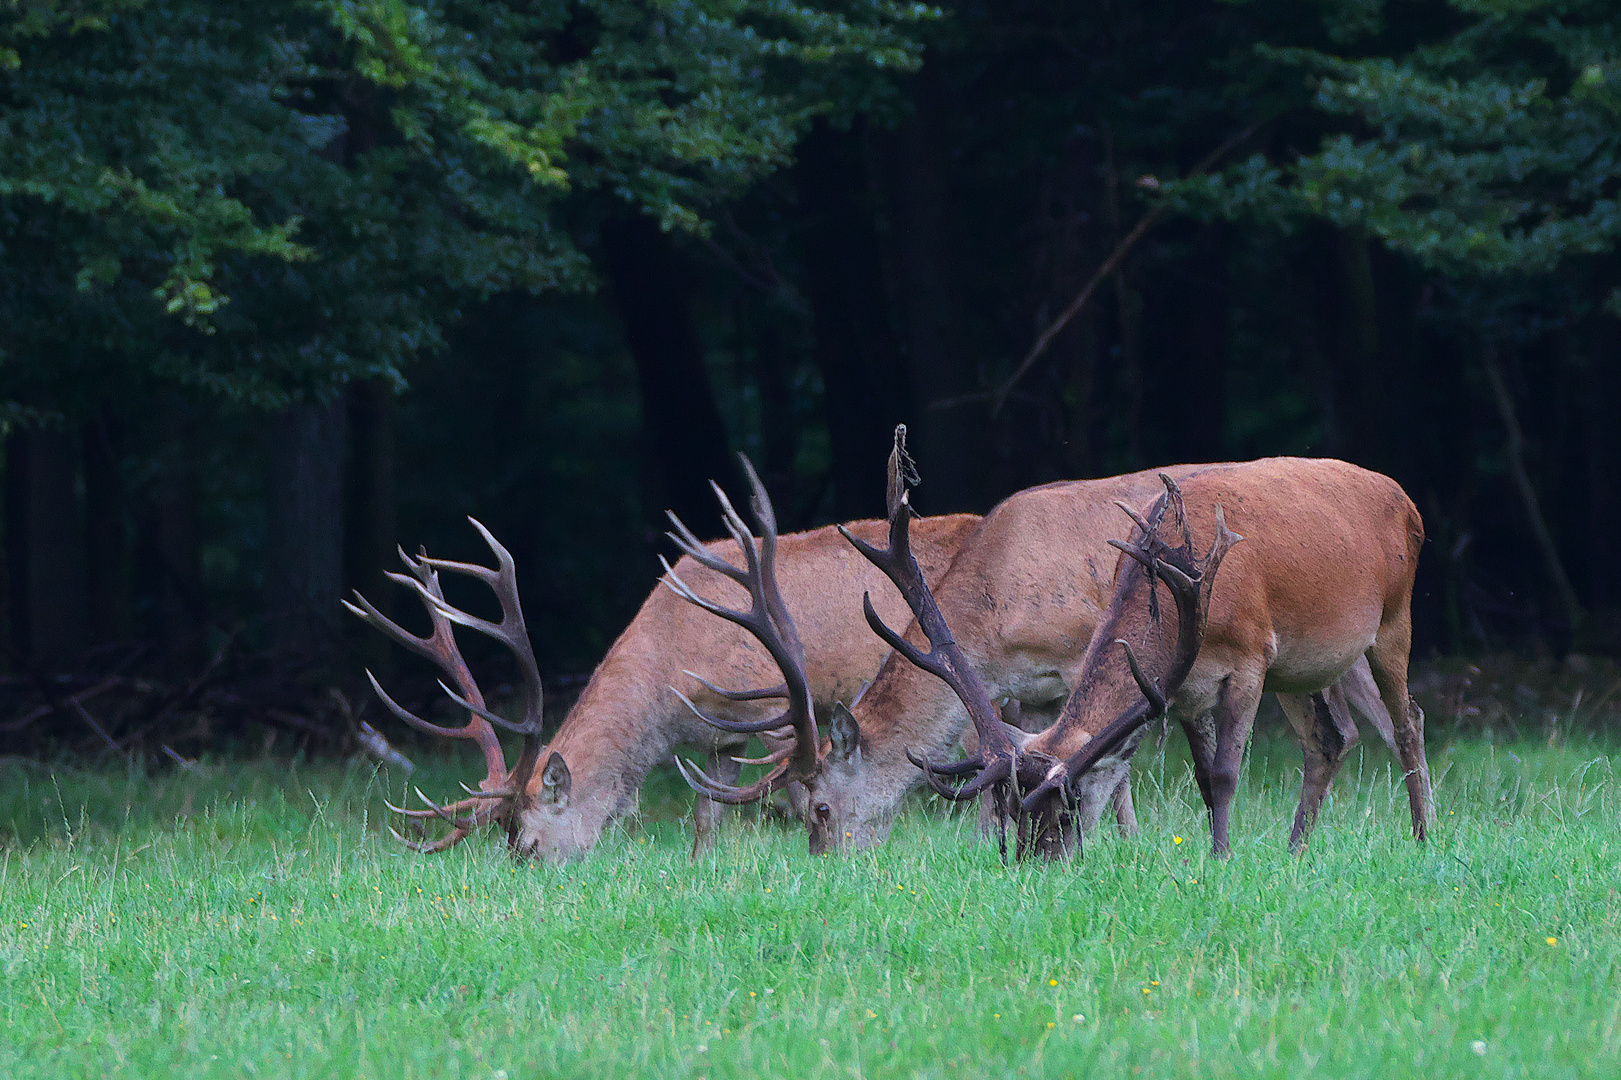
(41, 711)
(1515, 452)
(1109, 266)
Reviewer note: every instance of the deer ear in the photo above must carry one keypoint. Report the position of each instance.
(555, 781)
(845, 733)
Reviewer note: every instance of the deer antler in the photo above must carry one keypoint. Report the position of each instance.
(492, 801)
(768, 620)
(1190, 578)
(998, 751)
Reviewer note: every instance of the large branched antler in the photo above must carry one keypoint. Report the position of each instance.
(768, 620)
(493, 799)
(996, 760)
(1189, 577)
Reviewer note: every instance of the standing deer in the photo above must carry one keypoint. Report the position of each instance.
(1021, 599)
(1323, 581)
(558, 799)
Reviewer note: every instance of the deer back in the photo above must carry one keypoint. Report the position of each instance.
(1329, 555)
(1023, 596)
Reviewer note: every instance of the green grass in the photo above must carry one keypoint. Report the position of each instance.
(249, 921)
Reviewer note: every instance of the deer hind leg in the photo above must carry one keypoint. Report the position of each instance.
(1235, 719)
(1362, 694)
(1322, 723)
(1388, 661)
(707, 815)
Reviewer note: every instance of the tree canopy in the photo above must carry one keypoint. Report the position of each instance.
(261, 199)
(284, 284)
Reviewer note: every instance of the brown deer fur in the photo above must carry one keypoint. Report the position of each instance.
(1023, 597)
(1322, 580)
(627, 719)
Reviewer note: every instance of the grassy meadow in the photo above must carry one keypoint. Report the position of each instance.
(247, 919)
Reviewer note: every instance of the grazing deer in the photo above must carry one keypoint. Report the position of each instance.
(1022, 599)
(1323, 581)
(557, 800)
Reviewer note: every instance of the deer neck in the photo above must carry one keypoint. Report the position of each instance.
(907, 709)
(620, 727)
(1107, 691)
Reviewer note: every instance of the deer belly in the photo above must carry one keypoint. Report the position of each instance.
(1302, 671)
(1311, 656)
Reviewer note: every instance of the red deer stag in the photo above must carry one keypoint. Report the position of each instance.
(1323, 581)
(1022, 598)
(627, 719)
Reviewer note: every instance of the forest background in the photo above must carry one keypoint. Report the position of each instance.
(283, 284)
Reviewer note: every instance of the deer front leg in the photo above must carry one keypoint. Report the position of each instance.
(1235, 720)
(1125, 815)
(706, 816)
(1201, 733)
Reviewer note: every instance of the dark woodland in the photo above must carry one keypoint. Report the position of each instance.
(283, 286)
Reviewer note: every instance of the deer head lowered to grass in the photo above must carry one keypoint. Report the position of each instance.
(627, 720)
(1322, 583)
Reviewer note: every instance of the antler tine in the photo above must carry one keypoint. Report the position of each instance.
(768, 620)
(774, 758)
(430, 847)
(945, 659)
(527, 726)
(512, 632)
(409, 717)
(701, 782)
(763, 694)
(479, 801)
(1150, 691)
(673, 582)
(1173, 498)
(747, 727)
(688, 542)
(766, 515)
(441, 648)
(980, 774)
(1136, 517)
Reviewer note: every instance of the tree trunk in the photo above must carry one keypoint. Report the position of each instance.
(371, 519)
(779, 426)
(173, 535)
(106, 530)
(1520, 477)
(1601, 405)
(305, 563)
(863, 381)
(45, 541)
(684, 444)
